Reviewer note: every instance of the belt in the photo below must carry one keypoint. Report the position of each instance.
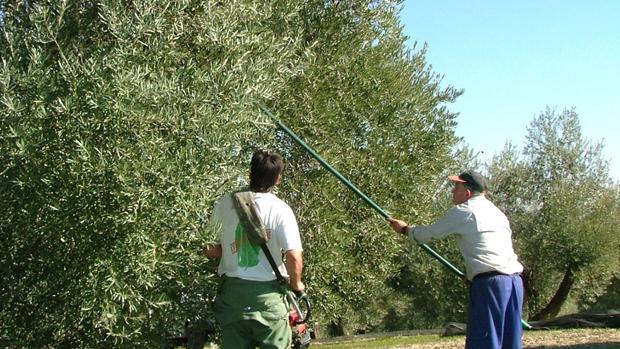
(490, 273)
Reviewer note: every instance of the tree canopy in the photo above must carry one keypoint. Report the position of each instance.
(122, 123)
(564, 210)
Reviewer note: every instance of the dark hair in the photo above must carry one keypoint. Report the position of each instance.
(265, 168)
(474, 181)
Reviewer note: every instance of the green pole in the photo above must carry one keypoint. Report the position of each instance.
(351, 186)
(363, 196)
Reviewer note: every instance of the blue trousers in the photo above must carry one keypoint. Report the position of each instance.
(495, 304)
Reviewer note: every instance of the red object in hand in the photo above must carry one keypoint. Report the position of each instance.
(293, 317)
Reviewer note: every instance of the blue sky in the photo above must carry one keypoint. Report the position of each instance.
(514, 58)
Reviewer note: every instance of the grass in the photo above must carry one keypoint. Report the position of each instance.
(385, 342)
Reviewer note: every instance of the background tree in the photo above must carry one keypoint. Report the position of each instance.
(563, 208)
(606, 301)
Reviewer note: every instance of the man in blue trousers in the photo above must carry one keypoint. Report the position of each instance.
(483, 235)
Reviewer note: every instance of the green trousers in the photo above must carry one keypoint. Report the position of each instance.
(252, 314)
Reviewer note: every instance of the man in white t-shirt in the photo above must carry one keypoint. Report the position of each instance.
(250, 306)
(484, 238)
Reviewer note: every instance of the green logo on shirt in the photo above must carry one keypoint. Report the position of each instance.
(248, 252)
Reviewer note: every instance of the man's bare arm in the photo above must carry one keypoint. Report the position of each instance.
(212, 250)
(295, 266)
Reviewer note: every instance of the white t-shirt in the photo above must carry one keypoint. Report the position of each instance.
(482, 233)
(244, 260)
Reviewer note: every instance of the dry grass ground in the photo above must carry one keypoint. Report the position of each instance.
(552, 339)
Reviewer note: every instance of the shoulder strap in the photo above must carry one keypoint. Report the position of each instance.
(272, 263)
(249, 217)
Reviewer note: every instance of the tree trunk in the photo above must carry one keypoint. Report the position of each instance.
(555, 304)
(526, 277)
(336, 328)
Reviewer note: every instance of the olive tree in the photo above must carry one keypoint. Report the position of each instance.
(563, 207)
(123, 122)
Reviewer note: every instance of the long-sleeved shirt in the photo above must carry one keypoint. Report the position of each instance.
(482, 233)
